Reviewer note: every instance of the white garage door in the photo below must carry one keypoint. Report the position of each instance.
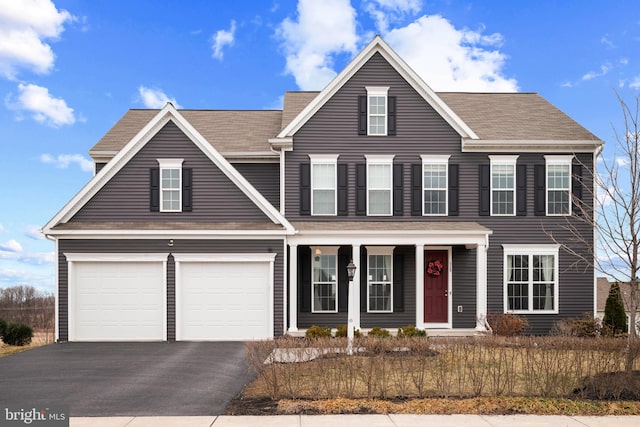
(223, 300)
(117, 301)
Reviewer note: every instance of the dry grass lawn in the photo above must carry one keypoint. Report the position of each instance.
(39, 339)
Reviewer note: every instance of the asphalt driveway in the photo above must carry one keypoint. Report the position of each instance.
(108, 379)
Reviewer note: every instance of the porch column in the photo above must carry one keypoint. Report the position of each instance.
(419, 285)
(293, 287)
(481, 287)
(355, 254)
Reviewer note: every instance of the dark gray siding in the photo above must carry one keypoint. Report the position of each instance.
(126, 196)
(421, 131)
(265, 177)
(179, 246)
(463, 285)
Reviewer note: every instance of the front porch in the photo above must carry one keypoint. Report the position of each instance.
(431, 275)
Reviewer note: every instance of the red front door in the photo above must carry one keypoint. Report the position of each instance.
(436, 286)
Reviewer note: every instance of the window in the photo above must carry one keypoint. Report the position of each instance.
(170, 185)
(380, 279)
(379, 185)
(531, 278)
(377, 110)
(324, 280)
(558, 178)
(323, 184)
(434, 184)
(503, 185)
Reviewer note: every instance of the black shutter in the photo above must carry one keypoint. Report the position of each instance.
(521, 190)
(576, 188)
(154, 187)
(305, 189)
(391, 116)
(453, 190)
(398, 200)
(485, 190)
(361, 189)
(342, 189)
(363, 280)
(398, 283)
(416, 190)
(343, 280)
(362, 115)
(304, 278)
(187, 190)
(539, 188)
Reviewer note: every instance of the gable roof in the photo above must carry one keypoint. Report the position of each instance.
(231, 132)
(133, 146)
(377, 45)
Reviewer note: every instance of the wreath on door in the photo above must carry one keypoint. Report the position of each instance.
(434, 268)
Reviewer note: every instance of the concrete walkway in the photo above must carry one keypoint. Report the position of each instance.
(395, 420)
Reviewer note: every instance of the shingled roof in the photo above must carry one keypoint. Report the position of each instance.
(492, 116)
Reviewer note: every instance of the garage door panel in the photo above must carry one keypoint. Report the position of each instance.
(118, 301)
(221, 300)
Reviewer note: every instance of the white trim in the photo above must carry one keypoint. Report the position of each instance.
(293, 287)
(530, 251)
(378, 45)
(319, 251)
(565, 160)
(168, 113)
(74, 257)
(380, 161)
(379, 158)
(282, 180)
(56, 314)
(164, 233)
(529, 146)
(170, 163)
(380, 251)
(214, 258)
(419, 284)
(502, 160)
(378, 92)
(436, 160)
(324, 160)
(481, 286)
(449, 323)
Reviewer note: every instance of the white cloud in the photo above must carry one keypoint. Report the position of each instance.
(43, 107)
(223, 38)
(155, 98)
(63, 161)
(635, 83)
(323, 28)
(607, 42)
(604, 69)
(11, 246)
(24, 27)
(33, 232)
(385, 12)
(34, 258)
(2, 229)
(449, 59)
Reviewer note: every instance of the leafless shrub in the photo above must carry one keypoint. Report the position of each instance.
(507, 324)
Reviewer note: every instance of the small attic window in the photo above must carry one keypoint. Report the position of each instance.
(377, 110)
(170, 185)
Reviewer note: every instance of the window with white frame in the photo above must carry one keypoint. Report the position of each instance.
(503, 185)
(434, 184)
(379, 185)
(170, 185)
(558, 179)
(531, 278)
(377, 110)
(380, 279)
(323, 184)
(324, 283)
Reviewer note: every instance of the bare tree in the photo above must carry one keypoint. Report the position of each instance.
(616, 214)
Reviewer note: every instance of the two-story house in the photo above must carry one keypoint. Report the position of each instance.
(221, 225)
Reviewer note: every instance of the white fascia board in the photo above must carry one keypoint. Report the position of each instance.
(530, 146)
(392, 238)
(170, 234)
(380, 46)
(111, 257)
(111, 168)
(214, 257)
(167, 113)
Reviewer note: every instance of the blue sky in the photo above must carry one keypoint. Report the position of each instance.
(69, 69)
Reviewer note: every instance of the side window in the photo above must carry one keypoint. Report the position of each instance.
(170, 185)
(379, 279)
(503, 185)
(323, 184)
(558, 185)
(434, 185)
(324, 283)
(379, 185)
